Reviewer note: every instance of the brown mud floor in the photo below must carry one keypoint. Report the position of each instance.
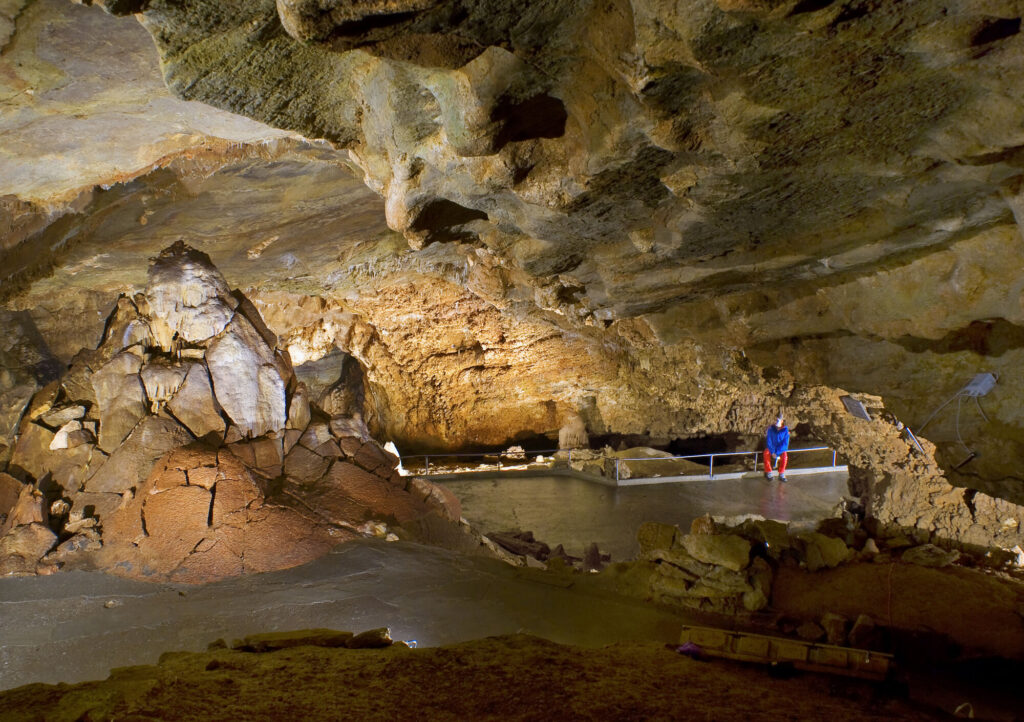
(506, 678)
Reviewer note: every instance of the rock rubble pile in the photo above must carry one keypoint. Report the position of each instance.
(731, 569)
(184, 447)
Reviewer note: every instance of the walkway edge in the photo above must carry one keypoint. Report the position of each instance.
(640, 481)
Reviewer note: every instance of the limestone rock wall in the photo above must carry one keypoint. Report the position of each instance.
(747, 170)
(670, 222)
(801, 141)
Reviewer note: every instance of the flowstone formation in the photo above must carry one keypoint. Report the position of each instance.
(184, 447)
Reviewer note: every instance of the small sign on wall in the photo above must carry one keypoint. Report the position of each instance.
(855, 407)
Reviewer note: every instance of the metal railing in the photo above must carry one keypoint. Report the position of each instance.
(524, 457)
(712, 456)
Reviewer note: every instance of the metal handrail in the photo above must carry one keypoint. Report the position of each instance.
(719, 453)
(711, 456)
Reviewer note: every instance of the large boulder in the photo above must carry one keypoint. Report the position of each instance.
(642, 461)
(29, 507)
(10, 491)
(727, 550)
(23, 547)
(246, 379)
(273, 481)
(822, 551)
(194, 404)
(200, 515)
(132, 461)
(121, 398)
(36, 458)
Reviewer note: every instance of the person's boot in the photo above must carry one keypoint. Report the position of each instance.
(767, 476)
(782, 477)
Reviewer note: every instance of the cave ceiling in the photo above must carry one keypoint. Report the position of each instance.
(509, 211)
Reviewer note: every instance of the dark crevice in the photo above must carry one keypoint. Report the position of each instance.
(541, 116)
(372, 22)
(1013, 156)
(443, 213)
(125, 7)
(521, 173)
(992, 337)
(969, 495)
(995, 29)
(441, 217)
(855, 11)
(714, 444)
(213, 497)
(810, 6)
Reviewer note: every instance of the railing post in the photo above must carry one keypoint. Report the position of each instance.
(711, 467)
(426, 465)
(833, 458)
(617, 471)
(755, 462)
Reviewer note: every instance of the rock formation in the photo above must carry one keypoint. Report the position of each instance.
(670, 220)
(185, 448)
(573, 434)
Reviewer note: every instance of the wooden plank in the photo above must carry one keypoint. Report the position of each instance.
(765, 649)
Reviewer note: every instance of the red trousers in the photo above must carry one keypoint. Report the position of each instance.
(783, 459)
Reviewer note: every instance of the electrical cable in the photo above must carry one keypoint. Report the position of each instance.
(977, 402)
(974, 390)
(958, 437)
(920, 430)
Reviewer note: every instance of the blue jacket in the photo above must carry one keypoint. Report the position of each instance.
(777, 439)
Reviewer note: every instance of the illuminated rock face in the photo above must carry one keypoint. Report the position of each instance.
(197, 454)
(671, 222)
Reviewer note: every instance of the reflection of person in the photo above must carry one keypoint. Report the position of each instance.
(776, 444)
